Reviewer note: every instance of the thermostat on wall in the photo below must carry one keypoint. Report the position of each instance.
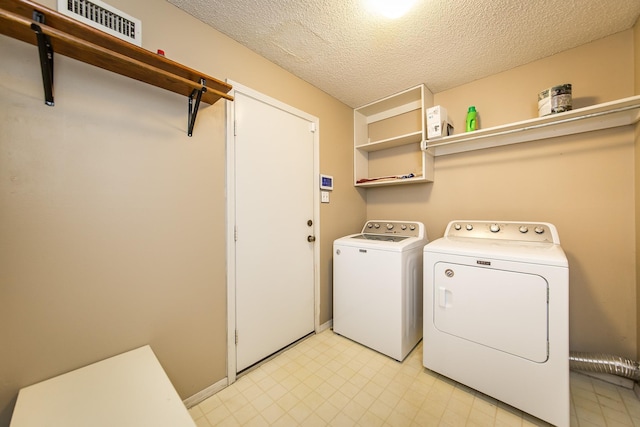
(326, 182)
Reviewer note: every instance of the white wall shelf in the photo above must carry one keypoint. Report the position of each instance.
(386, 183)
(399, 152)
(397, 141)
(607, 115)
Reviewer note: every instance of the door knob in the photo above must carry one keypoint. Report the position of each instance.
(311, 239)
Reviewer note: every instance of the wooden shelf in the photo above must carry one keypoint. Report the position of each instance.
(607, 115)
(76, 40)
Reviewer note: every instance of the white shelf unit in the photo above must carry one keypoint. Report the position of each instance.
(388, 138)
(607, 115)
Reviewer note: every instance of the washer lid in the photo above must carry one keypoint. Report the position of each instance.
(392, 243)
(380, 237)
(388, 235)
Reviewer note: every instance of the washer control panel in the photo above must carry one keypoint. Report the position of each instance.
(501, 230)
(398, 228)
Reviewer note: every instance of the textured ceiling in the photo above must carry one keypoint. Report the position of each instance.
(358, 57)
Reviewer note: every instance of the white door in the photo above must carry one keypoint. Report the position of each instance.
(274, 217)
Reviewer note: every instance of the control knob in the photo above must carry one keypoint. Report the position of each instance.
(523, 229)
(494, 228)
(376, 225)
(389, 226)
(539, 230)
(469, 227)
(403, 226)
(457, 226)
(412, 227)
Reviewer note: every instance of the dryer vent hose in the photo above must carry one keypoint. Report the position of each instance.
(605, 364)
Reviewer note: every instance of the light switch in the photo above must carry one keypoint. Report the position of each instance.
(324, 196)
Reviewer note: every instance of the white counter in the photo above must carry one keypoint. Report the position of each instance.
(128, 390)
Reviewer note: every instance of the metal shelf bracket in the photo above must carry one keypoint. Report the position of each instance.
(193, 108)
(46, 57)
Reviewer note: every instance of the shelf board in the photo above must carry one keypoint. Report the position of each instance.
(387, 182)
(87, 44)
(410, 99)
(607, 115)
(409, 138)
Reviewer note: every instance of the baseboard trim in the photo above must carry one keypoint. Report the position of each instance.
(325, 326)
(206, 393)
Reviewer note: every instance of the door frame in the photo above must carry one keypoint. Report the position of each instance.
(231, 214)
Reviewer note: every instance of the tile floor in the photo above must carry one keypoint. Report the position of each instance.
(328, 380)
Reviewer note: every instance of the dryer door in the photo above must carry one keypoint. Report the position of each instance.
(504, 310)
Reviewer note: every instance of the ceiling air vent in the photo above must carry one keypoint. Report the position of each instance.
(104, 17)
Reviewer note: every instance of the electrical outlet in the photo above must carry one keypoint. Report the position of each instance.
(324, 196)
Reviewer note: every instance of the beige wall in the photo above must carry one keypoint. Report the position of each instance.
(112, 219)
(581, 183)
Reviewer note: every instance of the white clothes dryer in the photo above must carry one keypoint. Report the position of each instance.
(377, 286)
(496, 302)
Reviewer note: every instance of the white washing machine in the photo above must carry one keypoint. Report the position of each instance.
(496, 302)
(377, 286)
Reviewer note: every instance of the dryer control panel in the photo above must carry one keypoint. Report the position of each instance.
(504, 230)
(398, 228)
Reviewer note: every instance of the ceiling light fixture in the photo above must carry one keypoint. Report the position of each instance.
(390, 8)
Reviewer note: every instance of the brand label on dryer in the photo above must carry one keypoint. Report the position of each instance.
(483, 262)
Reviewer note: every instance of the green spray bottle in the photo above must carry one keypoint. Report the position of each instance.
(472, 119)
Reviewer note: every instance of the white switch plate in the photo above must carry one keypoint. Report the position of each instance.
(324, 196)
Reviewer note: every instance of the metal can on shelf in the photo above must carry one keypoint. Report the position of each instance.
(556, 99)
